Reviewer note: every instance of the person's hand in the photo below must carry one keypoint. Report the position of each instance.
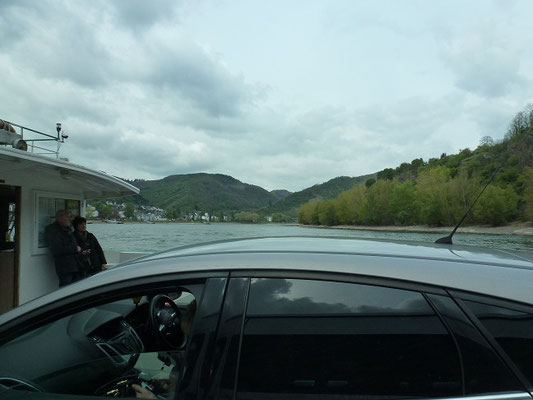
(103, 267)
(78, 249)
(162, 385)
(142, 393)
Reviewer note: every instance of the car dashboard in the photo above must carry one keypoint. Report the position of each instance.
(82, 351)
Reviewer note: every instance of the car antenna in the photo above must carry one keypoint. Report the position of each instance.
(448, 239)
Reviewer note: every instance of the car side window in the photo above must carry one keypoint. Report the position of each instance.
(512, 330)
(331, 338)
(129, 347)
(484, 372)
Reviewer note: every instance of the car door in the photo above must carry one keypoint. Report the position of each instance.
(508, 326)
(124, 340)
(318, 336)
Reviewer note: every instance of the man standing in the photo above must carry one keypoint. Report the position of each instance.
(64, 248)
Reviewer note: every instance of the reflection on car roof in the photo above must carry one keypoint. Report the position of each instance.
(494, 272)
(338, 245)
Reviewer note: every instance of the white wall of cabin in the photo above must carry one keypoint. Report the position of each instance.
(37, 275)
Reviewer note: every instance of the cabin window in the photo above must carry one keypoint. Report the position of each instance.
(47, 207)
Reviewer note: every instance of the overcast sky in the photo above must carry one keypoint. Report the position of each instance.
(281, 94)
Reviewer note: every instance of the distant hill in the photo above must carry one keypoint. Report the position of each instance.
(280, 194)
(205, 192)
(216, 192)
(324, 191)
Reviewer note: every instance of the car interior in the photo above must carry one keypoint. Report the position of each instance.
(107, 349)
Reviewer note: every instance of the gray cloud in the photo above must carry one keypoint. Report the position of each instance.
(411, 121)
(142, 15)
(147, 90)
(485, 58)
(190, 73)
(494, 118)
(483, 76)
(11, 15)
(65, 42)
(55, 40)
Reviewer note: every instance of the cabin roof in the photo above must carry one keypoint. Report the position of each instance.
(92, 183)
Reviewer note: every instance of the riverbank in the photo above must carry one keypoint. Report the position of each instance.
(151, 238)
(515, 228)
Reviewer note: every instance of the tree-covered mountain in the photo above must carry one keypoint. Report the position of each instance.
(324, 191)
(281, 193)
(203, 192)
(215, 193)
(440, 190)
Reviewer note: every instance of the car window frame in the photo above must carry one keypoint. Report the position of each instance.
(461, 297)
(393, 283)
(112, 292)
(333, 277)
(231, 324)
(340, 277)
(95, 296)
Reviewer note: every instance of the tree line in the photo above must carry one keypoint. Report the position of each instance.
(439, 192)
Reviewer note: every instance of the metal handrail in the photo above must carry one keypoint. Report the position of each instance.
(44, 149)
(42, 137)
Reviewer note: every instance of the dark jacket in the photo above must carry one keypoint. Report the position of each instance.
(63, 246)
(93, 261)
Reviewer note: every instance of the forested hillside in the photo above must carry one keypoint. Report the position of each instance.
(205, 192)
(324, 191)
(440, 190)
(216, 193)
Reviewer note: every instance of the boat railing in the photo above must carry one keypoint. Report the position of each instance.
(37, 141)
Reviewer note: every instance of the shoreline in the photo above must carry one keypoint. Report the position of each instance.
(516, 228)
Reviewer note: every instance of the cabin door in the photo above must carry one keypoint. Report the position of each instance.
(9, 246)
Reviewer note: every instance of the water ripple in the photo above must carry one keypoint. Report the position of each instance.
(157, 237)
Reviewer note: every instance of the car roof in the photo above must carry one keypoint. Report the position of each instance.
(350, 245)
(497, 273)
(492, 272)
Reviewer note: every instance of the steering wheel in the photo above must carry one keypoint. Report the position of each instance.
(165, 318)
(118, 387)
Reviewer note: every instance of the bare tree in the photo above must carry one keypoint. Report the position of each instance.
(486, 141)
(522, 122)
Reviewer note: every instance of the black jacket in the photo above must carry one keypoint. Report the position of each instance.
(94, 260)
(63, 246)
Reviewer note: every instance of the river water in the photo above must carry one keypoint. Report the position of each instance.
(157, 237)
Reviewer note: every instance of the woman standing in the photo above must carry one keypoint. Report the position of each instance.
(91, 257)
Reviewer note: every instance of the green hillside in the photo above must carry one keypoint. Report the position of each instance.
(281, 193)
(440, 190)
(205, 192)
(324, 191)
(217, 193)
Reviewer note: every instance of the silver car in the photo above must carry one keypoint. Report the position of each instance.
(282, 318)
